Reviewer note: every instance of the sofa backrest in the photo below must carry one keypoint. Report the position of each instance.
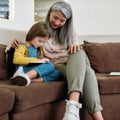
(104, 57)
(6, 37)
(3, 68)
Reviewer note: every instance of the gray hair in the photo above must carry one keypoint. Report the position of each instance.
(65, 33)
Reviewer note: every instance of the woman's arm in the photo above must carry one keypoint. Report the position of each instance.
(76, 45)
(14, 44)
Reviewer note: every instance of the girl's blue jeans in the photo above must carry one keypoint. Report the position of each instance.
(45, 70)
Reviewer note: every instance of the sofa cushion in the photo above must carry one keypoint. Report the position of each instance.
(3, 70)
(6, 100)
(104, 57)
(36, 94)
(108, 84)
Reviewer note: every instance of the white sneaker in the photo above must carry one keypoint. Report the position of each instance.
(19, 71)
(72, 110)
(21, 80)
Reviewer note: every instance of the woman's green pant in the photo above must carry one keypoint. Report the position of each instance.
(81, 77)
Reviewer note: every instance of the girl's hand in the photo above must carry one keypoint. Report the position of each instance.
(43, 60)
(74, 48)
(15, 43)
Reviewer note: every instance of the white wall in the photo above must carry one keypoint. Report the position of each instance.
(91, 17)
(96, 17)
(23, 16)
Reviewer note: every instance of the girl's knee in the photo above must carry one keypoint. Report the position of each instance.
(50, 64)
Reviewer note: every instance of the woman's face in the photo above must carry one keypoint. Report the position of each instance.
(57, 19)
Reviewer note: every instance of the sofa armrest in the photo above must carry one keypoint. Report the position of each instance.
(6, 100)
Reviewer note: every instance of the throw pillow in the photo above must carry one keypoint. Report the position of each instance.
(104, 57)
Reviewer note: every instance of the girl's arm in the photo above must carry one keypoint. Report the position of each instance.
(21, 56)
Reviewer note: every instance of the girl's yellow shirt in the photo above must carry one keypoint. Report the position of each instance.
(21, 55)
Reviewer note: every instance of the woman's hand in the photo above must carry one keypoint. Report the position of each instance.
(74, 48)
(15, 43)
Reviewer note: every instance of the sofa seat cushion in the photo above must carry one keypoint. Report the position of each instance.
(36, 94)
(6, 100)
(108, 84)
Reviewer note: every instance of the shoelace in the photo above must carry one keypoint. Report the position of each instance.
(78, 105)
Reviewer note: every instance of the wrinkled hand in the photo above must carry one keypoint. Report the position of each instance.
(15, 43)
(74, 48)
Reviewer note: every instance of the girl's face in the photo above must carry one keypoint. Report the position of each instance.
(38, 41)
(57, 19)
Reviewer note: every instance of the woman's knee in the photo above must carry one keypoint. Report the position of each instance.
(78, 56)
(78, 53)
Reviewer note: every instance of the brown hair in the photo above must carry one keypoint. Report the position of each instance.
(38, 29)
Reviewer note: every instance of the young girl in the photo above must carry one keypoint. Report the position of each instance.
(31, 51)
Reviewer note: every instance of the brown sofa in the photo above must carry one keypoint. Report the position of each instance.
(6, 103)
(105, 58)
(45, 101)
